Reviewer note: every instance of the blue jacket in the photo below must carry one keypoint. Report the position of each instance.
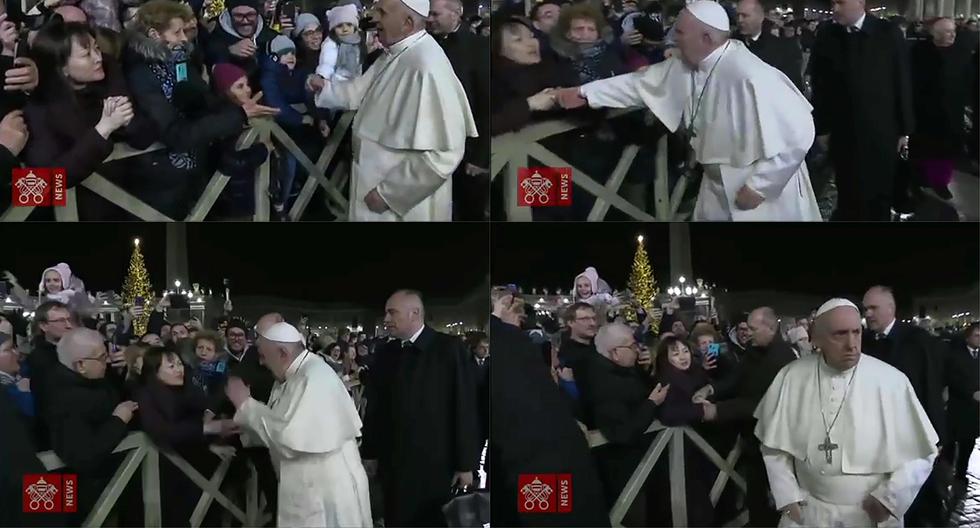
(23, 400)
(282, 88)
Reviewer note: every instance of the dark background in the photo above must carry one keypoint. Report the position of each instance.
(318, 262)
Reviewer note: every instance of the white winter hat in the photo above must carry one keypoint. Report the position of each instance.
(305, 21)
(345, 14)
(711, 13)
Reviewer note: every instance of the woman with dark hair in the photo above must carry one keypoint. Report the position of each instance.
(80, 110)
(676, 368)
(174, 414)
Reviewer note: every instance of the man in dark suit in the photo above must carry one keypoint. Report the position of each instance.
(533, 431)
(922, 358)
(963, 377)
(479, 346)
(755, 31)
(420, 427)
(862, 107)
(469, 55)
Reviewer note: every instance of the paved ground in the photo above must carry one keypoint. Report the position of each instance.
(967, 512)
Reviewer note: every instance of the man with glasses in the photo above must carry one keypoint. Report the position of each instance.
(86, 419)
(52, 320)
(241, 38)
(577, 350)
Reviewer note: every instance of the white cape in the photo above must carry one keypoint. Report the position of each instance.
(887, 426)
(409, 132)
(753, 127)
(311, 429)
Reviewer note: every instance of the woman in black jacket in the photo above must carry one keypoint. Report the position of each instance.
(174, 414)
(80, 110)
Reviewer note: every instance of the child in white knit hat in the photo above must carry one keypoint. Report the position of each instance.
(341, 55)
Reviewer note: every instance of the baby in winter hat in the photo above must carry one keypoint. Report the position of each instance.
(283, 50)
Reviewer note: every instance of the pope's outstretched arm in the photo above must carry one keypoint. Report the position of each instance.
(615, 92)
(346, 95)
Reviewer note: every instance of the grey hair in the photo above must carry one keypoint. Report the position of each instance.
(76, 344)
(610, 336)
(768, 316)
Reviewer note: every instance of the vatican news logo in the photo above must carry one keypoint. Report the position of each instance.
(544, 186)
(544, 493)
(39, 187)
(51, 493)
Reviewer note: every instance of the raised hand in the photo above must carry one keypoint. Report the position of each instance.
(254, 109)
(8, 36)
(23, 77)
(659, 394)
(13, 136)
(244, 48)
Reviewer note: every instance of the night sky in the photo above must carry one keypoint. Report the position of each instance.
(336, 262)
(802, 258)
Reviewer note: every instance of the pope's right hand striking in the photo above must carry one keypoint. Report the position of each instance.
(237, 391)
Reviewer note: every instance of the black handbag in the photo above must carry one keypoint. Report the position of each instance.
(467, 509)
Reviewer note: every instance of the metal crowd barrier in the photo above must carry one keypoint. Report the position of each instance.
(672, 439)
(512, 151)
(262, 130)
(142, 452)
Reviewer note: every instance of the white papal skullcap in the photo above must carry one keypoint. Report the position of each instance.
(283, 333)
(711, 13)
(836, 302)
(419, 6)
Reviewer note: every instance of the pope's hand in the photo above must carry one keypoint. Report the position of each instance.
(237, 391)
(875, 509)
(463, 479)
(571, 98)
(795, 513)
(375, 202)
(748, 199)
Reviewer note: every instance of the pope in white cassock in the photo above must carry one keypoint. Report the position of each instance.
(747, 124)
(844, 439)
(311, 429)
(412, 121)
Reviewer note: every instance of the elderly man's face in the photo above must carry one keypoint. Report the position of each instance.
(92, 364)
(402, 316)
(944, 33)
(546, 17)
(274, 356)
(394, 21)
(839, 337)
(691, 39)
(444, 16)
(879, 309)
(973, 338)
(762, 333)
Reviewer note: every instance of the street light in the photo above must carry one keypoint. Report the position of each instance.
(682, 280)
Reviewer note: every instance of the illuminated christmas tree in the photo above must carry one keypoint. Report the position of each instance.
(137, 284)
(641, 282)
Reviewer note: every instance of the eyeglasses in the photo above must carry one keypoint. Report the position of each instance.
(586, 318)
(634, 347)
(101, 358)
(63, 320)
(245, 16)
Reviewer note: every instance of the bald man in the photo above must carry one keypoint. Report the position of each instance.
(783, 54)
(844, 439)
(748, 127)
(922, 358)
(86, 419)
(412, 124)
(420, 427)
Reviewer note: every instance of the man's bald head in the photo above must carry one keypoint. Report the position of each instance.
(943, 32)
(879, 307)
(404, 313)
(72, 14)
(445, 16)
(611, 336)
(764, 325)
(83, 351)
(267, 320)
(751, 14)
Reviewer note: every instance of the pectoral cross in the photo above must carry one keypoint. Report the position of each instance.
(828, 448)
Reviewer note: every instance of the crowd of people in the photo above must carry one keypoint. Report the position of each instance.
(346, 430)
(877, 125)
(619, 377)
(82, 78)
